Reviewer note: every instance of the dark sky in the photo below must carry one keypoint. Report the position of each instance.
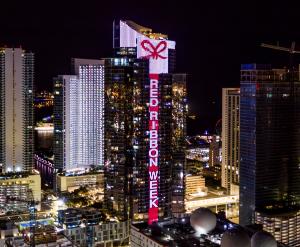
(213, 37)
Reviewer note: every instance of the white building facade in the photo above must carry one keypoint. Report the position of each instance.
(16, 110)
(79, 117)
(230, 137)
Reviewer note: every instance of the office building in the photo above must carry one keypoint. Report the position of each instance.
(230, 137)
(78, 117)
(16, 110)
(269, 142)
(145, 117)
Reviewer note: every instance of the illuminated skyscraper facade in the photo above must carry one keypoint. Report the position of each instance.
(16, 110)
(230, 137)
(269, 142)
(79, 117)
(125, 122)
(152, 114)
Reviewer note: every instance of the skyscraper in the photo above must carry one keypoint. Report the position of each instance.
(125, 122)
(230, 137)
(269, 141)
(79, 117)
(152, 110)
(16, 110)
(178, 144)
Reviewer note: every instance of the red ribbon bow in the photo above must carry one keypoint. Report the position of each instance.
(154, 50)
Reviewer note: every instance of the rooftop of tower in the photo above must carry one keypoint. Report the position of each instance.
(145, 30)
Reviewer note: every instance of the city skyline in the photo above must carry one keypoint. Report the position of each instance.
(225, 37)
(157, 124)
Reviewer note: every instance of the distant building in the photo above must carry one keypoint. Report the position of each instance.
(214, 152)
(16, 110)
(215, 157)
(270, 118)
(78, 117)
(198, 149)
(46, 169)
(195, 186)
(230, 137)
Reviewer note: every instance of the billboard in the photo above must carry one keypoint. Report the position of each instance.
(156, 50)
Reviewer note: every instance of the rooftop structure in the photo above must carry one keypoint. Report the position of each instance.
(90, 227)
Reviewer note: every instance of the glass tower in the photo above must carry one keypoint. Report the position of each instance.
(269, 140)
(130, 76)
(125, 136)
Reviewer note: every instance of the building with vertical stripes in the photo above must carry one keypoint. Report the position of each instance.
(16, 110)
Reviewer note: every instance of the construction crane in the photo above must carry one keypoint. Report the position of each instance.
(291, 51)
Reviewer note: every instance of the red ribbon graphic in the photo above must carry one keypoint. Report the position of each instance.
(154, 51)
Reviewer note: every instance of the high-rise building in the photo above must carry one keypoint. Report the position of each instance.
(269, 142)
(214, 153)
(145, 114)
(79, 117)
(125, 110)
(230, 137)
(16, 110)
(178, 144)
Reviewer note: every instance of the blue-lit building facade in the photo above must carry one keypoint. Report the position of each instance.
(269, 141)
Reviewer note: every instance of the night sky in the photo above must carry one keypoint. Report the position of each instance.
(213, 38)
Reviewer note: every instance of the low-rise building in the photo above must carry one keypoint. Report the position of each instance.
(15, 190)
(195, 185)
(216, 201)
(18, 234)
(74, 181)
(89, 227)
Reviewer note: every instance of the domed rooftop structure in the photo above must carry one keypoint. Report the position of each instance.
(263, 239)
(203, 220)
(235, 238)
